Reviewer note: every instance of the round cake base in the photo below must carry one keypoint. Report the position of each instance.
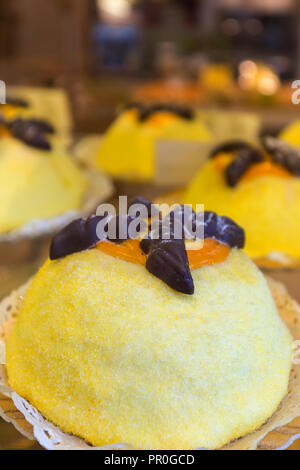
(279, 432)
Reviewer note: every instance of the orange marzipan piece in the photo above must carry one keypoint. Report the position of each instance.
(160, 118)
(157, 119)
(222, 160)
(4, 132)
(211, 252)
(266, 168)
(129, 250)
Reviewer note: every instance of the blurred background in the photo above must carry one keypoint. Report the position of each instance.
(214, 54)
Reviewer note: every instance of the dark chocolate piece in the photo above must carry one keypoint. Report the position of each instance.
(145, 111)
(183, 218)
(79, 235)
(283, 154)
(273, 144)
(133, 105)
(167, 257)
(240, 164)
(228, 147)
(145, 244)
(230, 233)
(30, 133)
(82, 234)
(168, 261)
(183, 112)
(210, 224)
(179, 224)
(223, 229)
(162, 229)
(42, 125)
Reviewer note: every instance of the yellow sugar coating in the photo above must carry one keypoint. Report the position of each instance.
(128, 147)
(110, 353)
(36, 184)
(267, 207)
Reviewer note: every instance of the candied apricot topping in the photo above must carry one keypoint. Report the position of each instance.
(161, 118)
(222, 160)
(211, 252)
(129, 250)
(266, 168)
(4, 132)
(131, 114)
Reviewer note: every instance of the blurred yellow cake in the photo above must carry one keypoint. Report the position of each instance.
(35, 182)
(262, 195)
(128, 149)
(110, 352)
(51, 104)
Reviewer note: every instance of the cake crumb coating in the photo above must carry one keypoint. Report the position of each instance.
(110, 353)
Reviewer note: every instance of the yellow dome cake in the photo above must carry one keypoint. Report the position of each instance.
(47, 103)
(38, 179)
(259, 189)
(151, 343)
(128, 149)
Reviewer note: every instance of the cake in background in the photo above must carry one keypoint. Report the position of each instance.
(162, 143)
(259, 187)
(50, 104)
(38, 179)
